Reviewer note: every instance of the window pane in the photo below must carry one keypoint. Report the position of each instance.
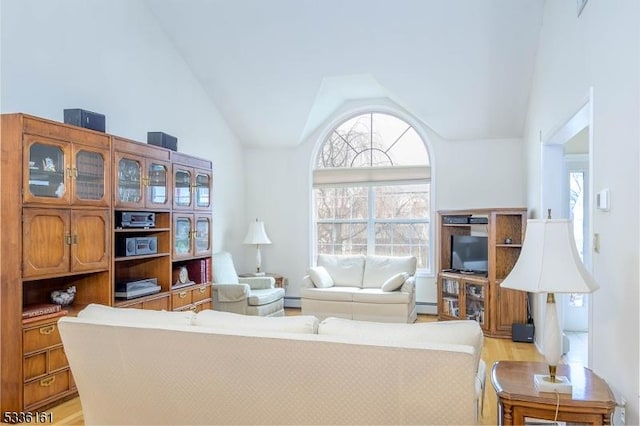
(399, 140)
(341, 203)
(403, 239)
(342, 238)
(576, 208)
(371, 140)
(402, 201)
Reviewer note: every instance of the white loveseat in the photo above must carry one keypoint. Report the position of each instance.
(367, 288)
(152, 367)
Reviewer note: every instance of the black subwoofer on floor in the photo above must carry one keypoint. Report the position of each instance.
(522, 332)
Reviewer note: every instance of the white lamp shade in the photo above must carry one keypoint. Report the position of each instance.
(256, 234)
(549, 261)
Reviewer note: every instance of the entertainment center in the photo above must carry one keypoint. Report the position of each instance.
(477, 250)
(123, 223)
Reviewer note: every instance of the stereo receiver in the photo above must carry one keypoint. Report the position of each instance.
(132, 246)
(136, 219)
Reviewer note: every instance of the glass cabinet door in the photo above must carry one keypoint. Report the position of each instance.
(202, 242)
(474, 298)
(182, 235)
(157, 185)
(47, 174)
(129, 181)
(450, 297)
(89, 176)
(182, 188)
(202, 190)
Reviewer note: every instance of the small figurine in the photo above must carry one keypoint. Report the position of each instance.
(63, 297)
(60, 191)
(48, 166)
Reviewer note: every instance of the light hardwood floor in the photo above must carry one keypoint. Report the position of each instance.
(70, 412)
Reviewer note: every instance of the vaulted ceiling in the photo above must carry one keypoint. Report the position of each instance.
(277, 68)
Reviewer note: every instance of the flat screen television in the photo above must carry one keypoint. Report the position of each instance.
(469, 253)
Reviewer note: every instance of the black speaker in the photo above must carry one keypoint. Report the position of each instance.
(162, 139)
(522, 332)
(84, 118)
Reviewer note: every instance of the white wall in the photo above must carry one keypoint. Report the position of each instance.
(467, 174)
(600, 50)
(111, 57)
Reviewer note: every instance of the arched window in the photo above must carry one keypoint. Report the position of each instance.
(372, 189)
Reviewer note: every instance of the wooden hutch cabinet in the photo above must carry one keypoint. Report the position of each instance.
(63, 192)
(478, 296)
(192, 230)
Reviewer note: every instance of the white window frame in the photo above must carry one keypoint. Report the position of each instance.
(421, 131)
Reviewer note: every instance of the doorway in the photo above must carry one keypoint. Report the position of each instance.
(566, 189)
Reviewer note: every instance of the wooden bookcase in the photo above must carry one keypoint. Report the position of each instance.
(479, 296)
(62, 188)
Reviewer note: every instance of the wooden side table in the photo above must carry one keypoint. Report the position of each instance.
(280, 280)
(591, 401)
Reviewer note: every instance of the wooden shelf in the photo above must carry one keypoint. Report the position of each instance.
(500, 308)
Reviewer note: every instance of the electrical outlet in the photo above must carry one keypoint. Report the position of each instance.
(623, 405)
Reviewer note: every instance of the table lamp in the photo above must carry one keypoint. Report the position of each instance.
(258, 236)
(549, 263)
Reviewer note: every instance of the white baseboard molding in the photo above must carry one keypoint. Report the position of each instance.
(292, 302)
(427, 308)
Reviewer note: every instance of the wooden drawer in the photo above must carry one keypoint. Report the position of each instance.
(197, 307)
(207, 304)
(41, 391)
(43, 363)
(40, 337)
(181, 298)
(157, 303)
(201, 292)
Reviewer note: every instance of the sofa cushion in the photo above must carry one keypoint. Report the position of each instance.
(380, 268)
(98, 312)
(377, 295)
(346, 270)
(320, 277)
(335, 294)
(462, 332)
(264, 296)
(218, 320)
(395, 281)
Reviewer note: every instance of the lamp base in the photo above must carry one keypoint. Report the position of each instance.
(544, 384)
(257, 274)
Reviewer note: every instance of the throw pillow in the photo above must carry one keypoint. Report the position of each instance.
(320, 277)
(395, 281)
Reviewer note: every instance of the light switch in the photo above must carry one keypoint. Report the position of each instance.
(603, 200)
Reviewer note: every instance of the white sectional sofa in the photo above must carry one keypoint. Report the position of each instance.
(367, 288)
(153, 367)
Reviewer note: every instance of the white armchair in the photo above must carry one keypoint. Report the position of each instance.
(248, 296)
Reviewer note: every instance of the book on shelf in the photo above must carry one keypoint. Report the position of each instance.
(60, 313)
(203, 271)
(38, 309)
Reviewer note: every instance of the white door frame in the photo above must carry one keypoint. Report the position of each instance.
(553, 170)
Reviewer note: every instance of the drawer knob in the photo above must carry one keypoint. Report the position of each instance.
(182, 294)
(202, 289)
(47, 381)
(48, 329)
